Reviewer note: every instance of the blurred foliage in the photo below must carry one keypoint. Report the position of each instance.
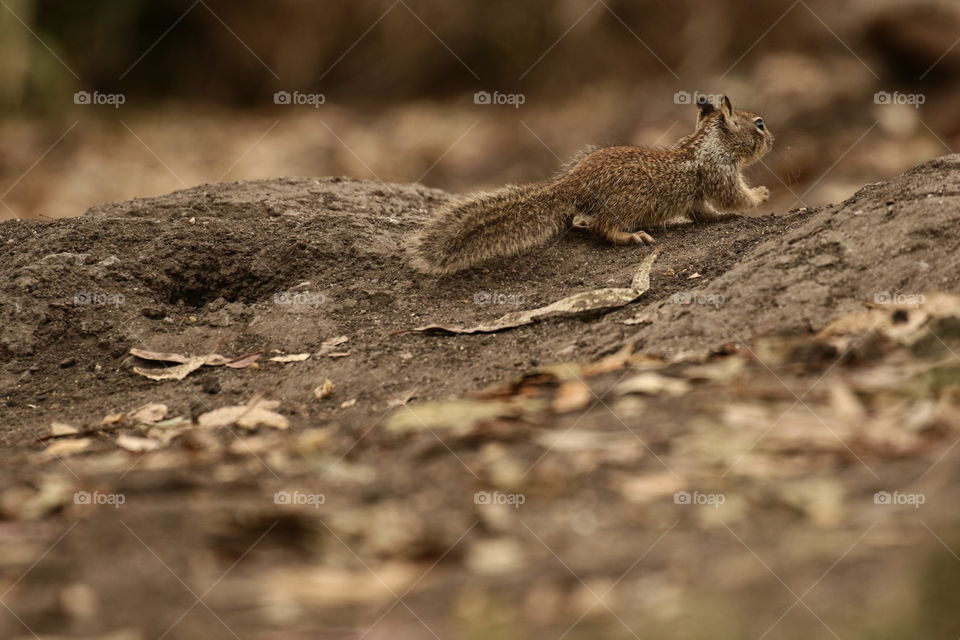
(241, 51)
(399, 76)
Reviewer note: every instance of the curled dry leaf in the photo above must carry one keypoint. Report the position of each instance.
(113, 419)
(324, 390)
(595, 300)
(572, 395)
(177, 372)
(291, 357)
(62, 429)
(256, 413)
(136, 444)
(187, 364)
(402, 400)
(64, 448)
(457, 416)
(335, 587)
(651, 383)
(149, 413)
(330, 344)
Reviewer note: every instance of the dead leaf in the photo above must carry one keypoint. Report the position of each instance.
(113, 419)
(651, 383)
(647, 488)
(338, 354)
(402, 400)
(291, 357)
(187, 364)
(330, 344)
(136, 444)
(149, 413)
(64, 448)
(258, 412)
(325, 390)
(243, 361)
(583, 440)
(458, 416)
(571, 396)
(178, 372)
(576, 304)
(160, 356)
(333, 586)
(495, 557)
(62, 429)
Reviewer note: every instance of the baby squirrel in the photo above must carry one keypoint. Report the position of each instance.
(612, 191)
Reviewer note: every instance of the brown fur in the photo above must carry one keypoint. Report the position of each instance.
(613, 191)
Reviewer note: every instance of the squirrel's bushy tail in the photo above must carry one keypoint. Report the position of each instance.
(489, 225)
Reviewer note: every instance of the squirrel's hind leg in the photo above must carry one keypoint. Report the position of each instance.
(616, 236)
(706, 213)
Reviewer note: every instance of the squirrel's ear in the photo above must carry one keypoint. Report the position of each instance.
(706, 108)
(726, 107)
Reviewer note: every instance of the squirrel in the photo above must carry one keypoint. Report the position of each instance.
(612, 191)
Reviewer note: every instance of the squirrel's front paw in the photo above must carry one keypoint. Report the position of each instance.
(760, 194)
(642, 237)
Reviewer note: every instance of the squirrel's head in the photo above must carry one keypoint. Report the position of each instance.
(743, 134)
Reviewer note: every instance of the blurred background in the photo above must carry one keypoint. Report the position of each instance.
(113, 99)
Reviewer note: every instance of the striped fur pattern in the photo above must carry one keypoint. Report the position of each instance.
(613, 191)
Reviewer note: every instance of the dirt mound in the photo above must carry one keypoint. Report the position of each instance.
(286, 264)
(890, 241)
(612, 492)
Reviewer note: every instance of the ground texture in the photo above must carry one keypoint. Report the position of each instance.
(761, 445)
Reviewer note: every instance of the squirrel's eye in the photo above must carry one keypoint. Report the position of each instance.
(759, 123)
